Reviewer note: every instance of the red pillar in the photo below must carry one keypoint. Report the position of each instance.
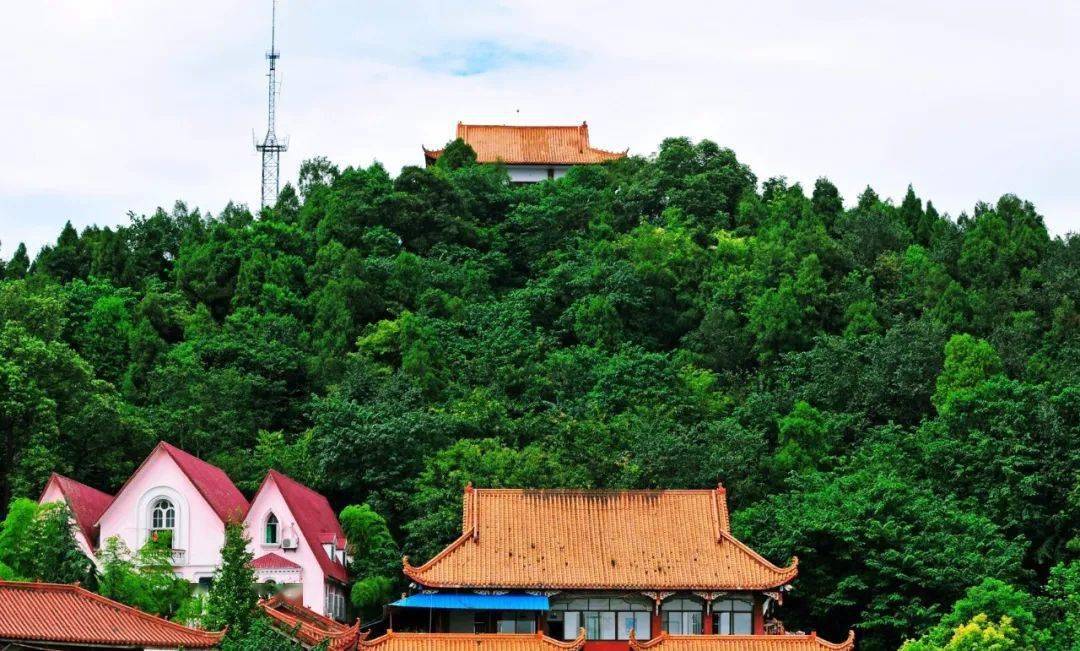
(706, 626)
(759, 615)
(656, 621)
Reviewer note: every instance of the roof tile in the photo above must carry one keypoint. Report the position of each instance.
(51, 612)
(786, 642)
(524, 145)
(394, 641)
(86, 504)
(272, 561)
(311, 628)
(567, 539)
(212, 482)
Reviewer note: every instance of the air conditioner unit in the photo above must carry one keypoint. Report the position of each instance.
(288, 543)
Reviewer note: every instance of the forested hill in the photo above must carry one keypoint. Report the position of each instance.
(889, 394)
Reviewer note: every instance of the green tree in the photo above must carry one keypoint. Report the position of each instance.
(19, 264)
(968, 361)
(375, 557)
(38, 543)
(145, 580)
(232, 599)
(456, 154)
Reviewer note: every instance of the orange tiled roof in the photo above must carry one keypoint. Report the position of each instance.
(68, 614)
(557, 145)
(309, 627)
(394, 641)
(787, 642)
(581, 539)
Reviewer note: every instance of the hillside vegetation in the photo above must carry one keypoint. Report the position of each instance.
(889, 394)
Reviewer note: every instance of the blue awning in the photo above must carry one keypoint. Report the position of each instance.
(466, 601)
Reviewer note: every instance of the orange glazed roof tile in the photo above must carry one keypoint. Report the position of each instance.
(787, 642)
(309, 627)
(556, 145)
(68, 614)
(582, 539)
(394, 641)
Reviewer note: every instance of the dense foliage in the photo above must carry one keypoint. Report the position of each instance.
(891, 394)
(145, 579)
(37, 544)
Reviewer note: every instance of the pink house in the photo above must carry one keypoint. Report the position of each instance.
(298, 544)
(296, 538)
(86, 504)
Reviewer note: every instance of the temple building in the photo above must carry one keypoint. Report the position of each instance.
(618, 569)
(530, 154)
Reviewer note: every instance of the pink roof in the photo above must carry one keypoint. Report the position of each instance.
(212, 483)
(272, 561)
(315, 518)
(86, 503)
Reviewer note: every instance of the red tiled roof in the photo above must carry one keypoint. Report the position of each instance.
(86, 504)
(309, 627)
(271, 561)
(394, 641)
(513, 145)
(68, 614)
(314, 517)
(212, 482)
(786, 642)
(575, 539)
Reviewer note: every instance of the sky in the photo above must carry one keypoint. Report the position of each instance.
(111, 106)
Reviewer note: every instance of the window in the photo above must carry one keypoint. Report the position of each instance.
(682, 616)
(271, 530)
(335, 602)
(510, 622)
(605, 618)
(733, 617)
(162, 516)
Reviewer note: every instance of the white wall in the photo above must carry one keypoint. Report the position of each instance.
(534, 173)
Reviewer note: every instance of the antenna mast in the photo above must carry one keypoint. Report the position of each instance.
(271, 147)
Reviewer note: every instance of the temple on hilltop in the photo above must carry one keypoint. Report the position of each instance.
(602, 570)
(530, 154)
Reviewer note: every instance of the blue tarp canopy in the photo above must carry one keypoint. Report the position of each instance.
(465, 601)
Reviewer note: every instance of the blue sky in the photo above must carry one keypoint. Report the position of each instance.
(126, 105)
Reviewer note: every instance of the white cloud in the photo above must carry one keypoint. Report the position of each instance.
(126, 105)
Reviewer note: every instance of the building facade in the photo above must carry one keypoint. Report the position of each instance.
(619, 568)
(295, 537)
(530, 153)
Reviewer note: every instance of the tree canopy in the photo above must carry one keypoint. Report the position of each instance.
(889, 392)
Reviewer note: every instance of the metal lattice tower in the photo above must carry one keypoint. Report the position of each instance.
(271, 147)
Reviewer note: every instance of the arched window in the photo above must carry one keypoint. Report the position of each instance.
(271, 537)
(162, 516)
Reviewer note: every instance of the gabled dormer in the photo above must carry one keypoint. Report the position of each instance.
(298, 544)
(178, 495)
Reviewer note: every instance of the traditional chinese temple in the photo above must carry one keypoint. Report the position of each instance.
(530, 153)
(613, 570)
